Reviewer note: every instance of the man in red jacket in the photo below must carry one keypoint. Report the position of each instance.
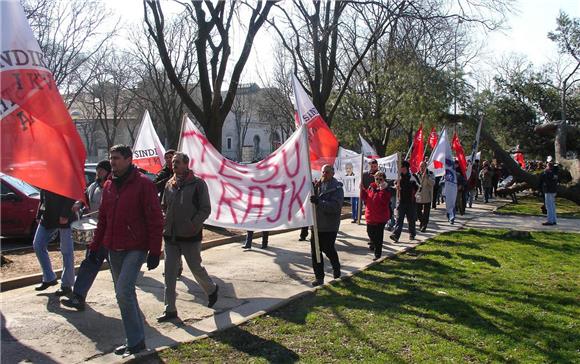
(130, 227)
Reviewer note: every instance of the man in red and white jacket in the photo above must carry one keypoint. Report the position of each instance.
(130, 226)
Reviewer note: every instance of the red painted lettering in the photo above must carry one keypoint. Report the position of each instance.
(233, 166)
(297, 150)
(224, 199)
(252, 205)
(295, 197)
(280, 201)
(265, 164)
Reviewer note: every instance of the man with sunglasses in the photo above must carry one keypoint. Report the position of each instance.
(328, 199)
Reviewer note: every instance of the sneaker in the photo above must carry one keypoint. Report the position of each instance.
(125, 350)
(412, 237)
(376, 258)
(212, 298)
(548, 223)
(76, 301)
(317, 282)
(63, 291)
(167, 316)
(301, 239)
(353, 222)
(394, 238)
(423, 229)
(45, 285)
(247, 247)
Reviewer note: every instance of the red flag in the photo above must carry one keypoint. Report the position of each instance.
(459, 153)
(417, 154)
(519, 157)
(323, 143)
(40, 143)
(433, 138)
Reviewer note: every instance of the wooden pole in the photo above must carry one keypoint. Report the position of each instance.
(312, 192)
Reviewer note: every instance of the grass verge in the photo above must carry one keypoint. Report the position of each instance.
(531, 205)
(466, 296)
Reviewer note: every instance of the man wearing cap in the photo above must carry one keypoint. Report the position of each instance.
(549, 186)
(90, 268)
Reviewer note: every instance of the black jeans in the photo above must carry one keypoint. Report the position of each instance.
(326, 241)
(250, 236)
(487, 193)
(376, 233)
(423, 211)
(410, 211)
(304, 233)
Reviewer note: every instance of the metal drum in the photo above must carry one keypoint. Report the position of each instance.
(83, 230)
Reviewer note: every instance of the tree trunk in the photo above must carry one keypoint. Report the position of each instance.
(571, 192)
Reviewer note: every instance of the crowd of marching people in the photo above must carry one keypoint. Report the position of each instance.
(135, 215)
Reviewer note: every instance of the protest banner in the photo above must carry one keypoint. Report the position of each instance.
(273, 194)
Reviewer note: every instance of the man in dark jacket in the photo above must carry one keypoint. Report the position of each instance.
(406, 188)
(186, 204)
(165, 173)
(130, 226)
(549, 186)
(55, 214)
(328, 199)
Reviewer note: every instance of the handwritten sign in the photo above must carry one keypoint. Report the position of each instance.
(272, 194)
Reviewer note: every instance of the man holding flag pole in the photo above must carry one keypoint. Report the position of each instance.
(326, 195)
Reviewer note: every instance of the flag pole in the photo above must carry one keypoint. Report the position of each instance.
(312, 192)
(359, 205)
(179, 144)
(410, 148)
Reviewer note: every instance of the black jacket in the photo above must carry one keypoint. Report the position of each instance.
(52, 208)
(549, 181)
(408, 187)
(161, 178)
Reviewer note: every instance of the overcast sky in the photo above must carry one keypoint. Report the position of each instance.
(526, 35)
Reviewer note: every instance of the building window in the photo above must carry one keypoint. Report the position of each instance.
(229, 143)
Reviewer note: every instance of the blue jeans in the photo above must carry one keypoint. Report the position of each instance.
(354, 204)
(125, 268)
(550, 202)
(88, 272)
(40, 244)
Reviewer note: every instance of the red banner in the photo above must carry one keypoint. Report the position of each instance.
(459, 153)
(418, 151)
(40, 143)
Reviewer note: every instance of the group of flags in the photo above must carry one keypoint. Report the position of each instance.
(41, 145)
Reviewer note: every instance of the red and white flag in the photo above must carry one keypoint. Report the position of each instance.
(442, 164)
(323, 143)
(418, 151)
(148, 151)
(459, 153)
(40, 143)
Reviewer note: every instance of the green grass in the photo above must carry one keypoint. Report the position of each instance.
(531, 205)
(463, 297)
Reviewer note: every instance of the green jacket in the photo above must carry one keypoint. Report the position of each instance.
(186, 208)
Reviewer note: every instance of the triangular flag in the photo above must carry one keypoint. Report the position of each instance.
(40, 143)
(366, 149)
(323, 143)
(148, 151)
(459, 153)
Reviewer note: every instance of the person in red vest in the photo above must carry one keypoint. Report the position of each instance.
(377, 198)
(130, 226)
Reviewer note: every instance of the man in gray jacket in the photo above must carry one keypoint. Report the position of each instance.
(186, 205)
(328, 199)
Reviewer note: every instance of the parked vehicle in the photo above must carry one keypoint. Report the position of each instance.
(91, 173)
(19, 207)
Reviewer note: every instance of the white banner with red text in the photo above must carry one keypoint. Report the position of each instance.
(273, 194)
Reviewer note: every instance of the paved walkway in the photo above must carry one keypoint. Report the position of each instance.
(37, 328)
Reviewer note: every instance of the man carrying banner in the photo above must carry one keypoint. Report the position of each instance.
(130, 226)
(328, 199)
(406, 189)
(187, 205)
(90, 267)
